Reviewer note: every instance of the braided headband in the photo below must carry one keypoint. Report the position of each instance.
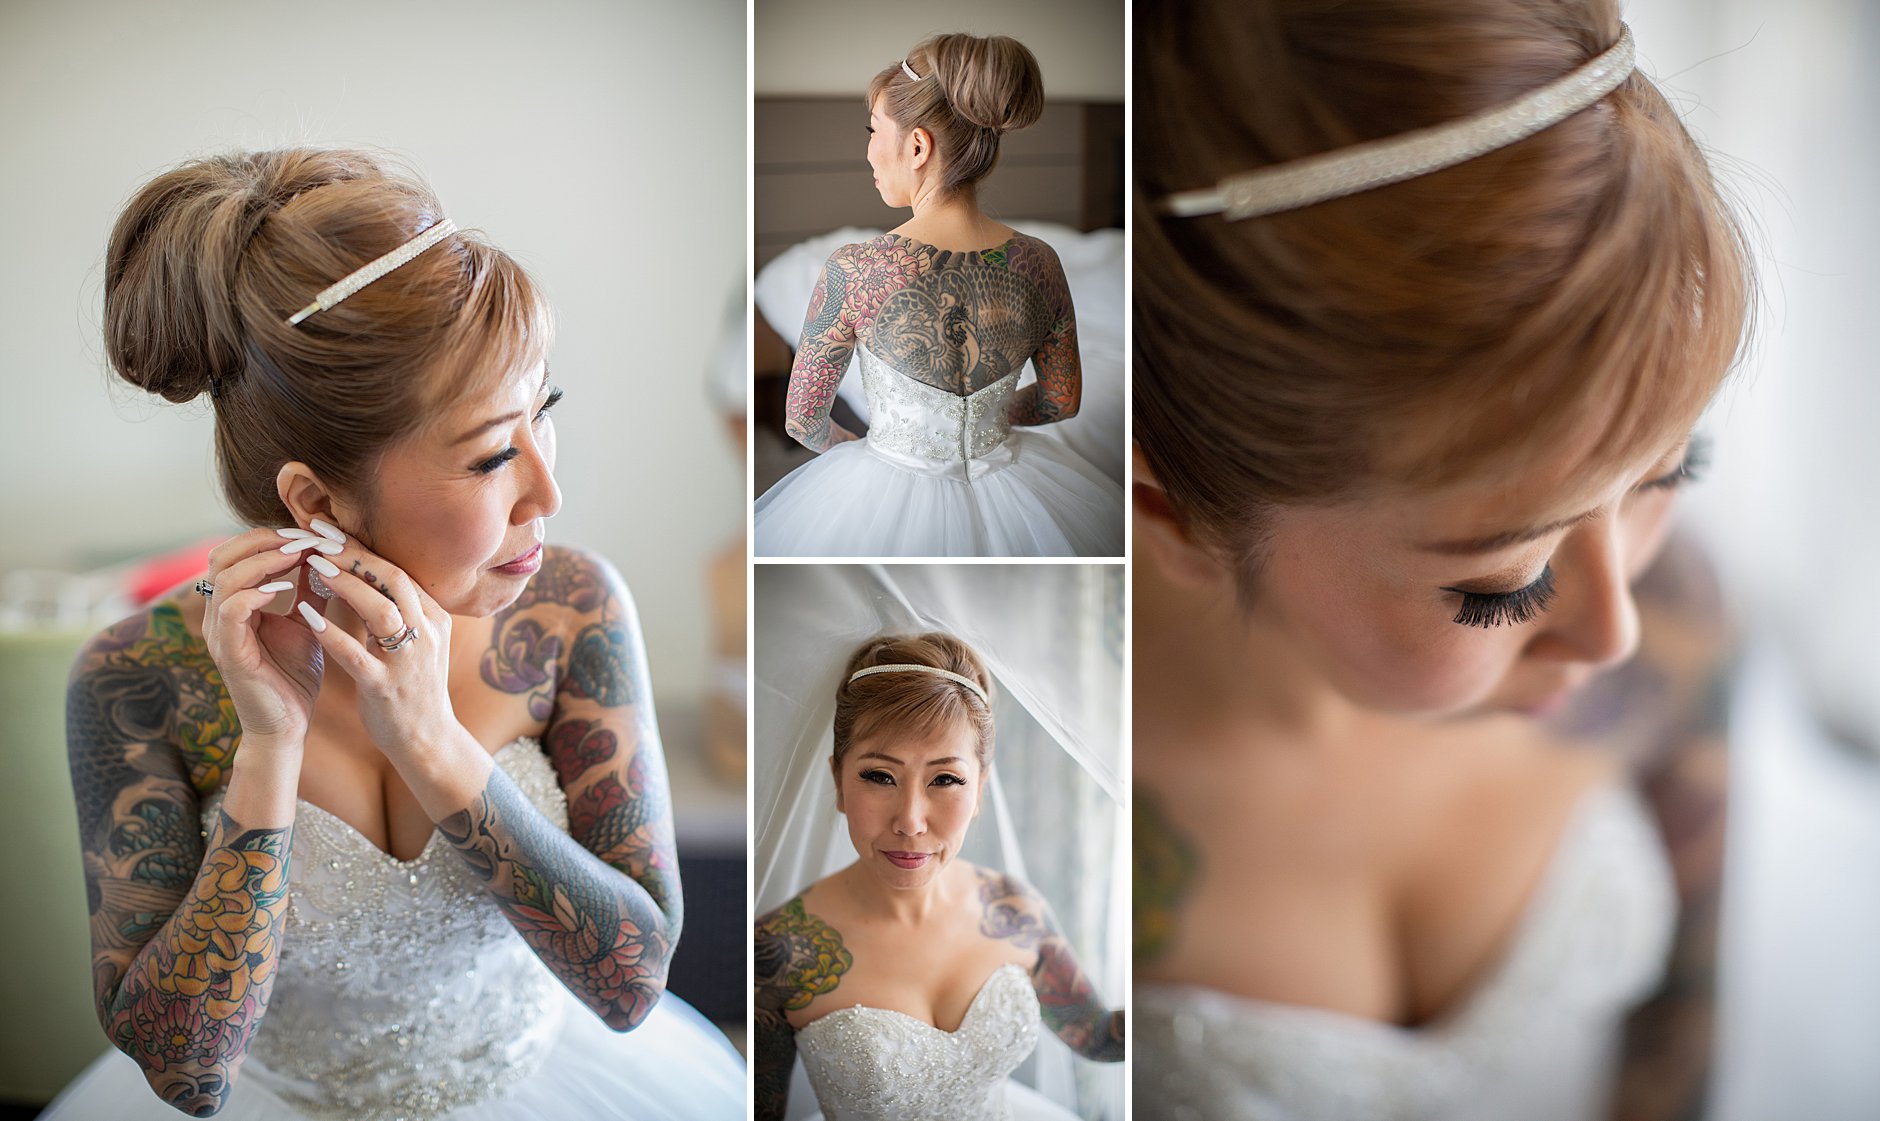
(374, 269)
(935, 670)
(1378, 163)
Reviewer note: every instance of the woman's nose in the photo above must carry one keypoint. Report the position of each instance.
(910, 814)
(540, 497)
(1595, 621)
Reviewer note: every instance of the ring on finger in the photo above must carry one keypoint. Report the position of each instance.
(204, 589)
(398, 641)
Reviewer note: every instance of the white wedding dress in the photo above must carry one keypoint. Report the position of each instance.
(941, 475)
(1537, 1041)
(875, 1064)
(403, 993)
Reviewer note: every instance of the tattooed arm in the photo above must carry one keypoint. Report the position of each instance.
(599, 904)
(185, 933)
(1686, 662)
(797, 957)
(1010, 910)
(822, 356)
(1059, 389)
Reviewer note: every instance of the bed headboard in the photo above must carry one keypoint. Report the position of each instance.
(811, 176)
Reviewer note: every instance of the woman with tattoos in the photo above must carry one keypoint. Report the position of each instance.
(1429, 775)
(374, 817)
(944, 311)
(912, 983)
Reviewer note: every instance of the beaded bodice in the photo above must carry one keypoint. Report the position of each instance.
(401, 990)
(1538, 1040)
(875, 1064)
(913, 418)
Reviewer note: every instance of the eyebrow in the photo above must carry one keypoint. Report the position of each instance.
(1496, 541)
(498, 422)
(931, 762)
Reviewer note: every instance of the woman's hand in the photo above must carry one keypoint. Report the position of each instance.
(271, 664)
(404, 692)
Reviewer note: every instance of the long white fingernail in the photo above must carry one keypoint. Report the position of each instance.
(293, 534)
(327, 530)
(277, 586)
(313, 617)
(321, 565)
(320, 544)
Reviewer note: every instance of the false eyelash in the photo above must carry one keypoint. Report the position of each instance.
(1696, 461)
(1494, 609)
(554, 398)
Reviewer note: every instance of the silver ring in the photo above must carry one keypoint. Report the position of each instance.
(398, 641)
(205, 589)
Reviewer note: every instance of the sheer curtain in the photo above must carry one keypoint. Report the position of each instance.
(1051, 636)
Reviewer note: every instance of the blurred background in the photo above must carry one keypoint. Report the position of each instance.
(1789, 97)
(603, 144)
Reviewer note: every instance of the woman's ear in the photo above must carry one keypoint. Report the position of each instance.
(306, 498)
(835, 773)
(1162, 532)
(922, 147)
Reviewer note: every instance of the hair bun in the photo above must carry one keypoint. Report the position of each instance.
(991, 82)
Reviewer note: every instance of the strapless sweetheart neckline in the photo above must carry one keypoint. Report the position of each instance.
(971, 1007)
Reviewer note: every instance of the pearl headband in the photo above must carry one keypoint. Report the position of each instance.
(1378, 163)
(935, 670)
(374, 269)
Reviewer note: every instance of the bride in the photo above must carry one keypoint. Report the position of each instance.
(374, 819)
(944, 311)
(1428, 303)
(910, 982)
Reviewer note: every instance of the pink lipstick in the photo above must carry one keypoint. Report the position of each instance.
(524, 565)
(908, 860)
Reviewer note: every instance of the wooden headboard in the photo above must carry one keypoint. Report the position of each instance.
(811, 175)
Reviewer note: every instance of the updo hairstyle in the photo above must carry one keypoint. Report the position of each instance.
(209, 259)
(1586, 287)
(971, 91)
(909, 702)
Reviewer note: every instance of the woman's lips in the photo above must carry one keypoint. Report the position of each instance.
(524, 565)
(907, 859)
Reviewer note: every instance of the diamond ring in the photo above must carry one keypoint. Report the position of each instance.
(205, 589)
(398, 641)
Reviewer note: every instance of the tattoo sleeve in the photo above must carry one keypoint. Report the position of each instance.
(1012, 911)
(185, 934)
(1058, 391)
(797, 957)
(599, 904)
(1678, 687)
(822, 357)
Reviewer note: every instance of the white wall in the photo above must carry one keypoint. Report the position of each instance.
(603, 143)
(1789, 98)
(833, 47)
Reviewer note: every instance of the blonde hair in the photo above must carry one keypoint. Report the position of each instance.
(209, 259)
(971, 91)
(913, 704)
(1588, 279)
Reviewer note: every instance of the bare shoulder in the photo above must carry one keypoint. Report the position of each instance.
(796, 957)
(1011, 910)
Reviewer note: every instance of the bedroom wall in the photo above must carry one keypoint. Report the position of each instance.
(832, 47)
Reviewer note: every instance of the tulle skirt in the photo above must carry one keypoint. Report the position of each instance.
(1030, 497)
(674, 1067)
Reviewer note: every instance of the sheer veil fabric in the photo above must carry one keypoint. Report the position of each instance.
(1051, 636)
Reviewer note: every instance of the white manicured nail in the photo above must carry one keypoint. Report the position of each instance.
(327, 530)
(293, 534)
(277, 586)
(313, 617)
(321, 565)
(320, 544)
